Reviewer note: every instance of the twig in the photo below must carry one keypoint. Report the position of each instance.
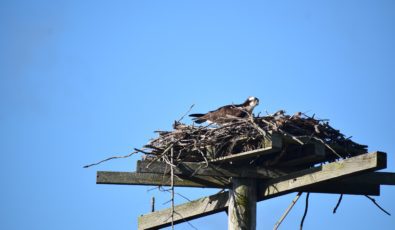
(305, 210)
(141, 151)
(338, 203)
(162, 154)
(287, 211)
(153, 204)
(190, 108)
(329, 147)
(374, 202)
(186, 198)
(185, 220)
(189, 223)
(260, 130)
(292, 136)
(110, 158)
(156, 187)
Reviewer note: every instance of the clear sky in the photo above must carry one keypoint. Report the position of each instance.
(84, 80)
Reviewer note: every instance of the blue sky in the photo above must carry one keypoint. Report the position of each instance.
(84, 80)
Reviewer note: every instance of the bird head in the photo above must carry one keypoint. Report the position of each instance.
(252, 102)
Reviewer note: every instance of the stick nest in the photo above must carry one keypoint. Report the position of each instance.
(191, 143)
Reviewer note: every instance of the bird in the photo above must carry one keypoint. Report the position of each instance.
(227, 113)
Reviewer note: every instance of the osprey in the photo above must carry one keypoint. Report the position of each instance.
(227, 113)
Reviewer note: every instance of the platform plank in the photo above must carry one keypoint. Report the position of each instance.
(202, 169)
(332, 171)
(132, 178)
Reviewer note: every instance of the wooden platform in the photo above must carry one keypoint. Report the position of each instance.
(350, 176)
(283, 165)
(342, 177)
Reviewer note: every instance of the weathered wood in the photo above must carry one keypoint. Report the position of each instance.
(272, 144)
(201, 169)
(131, 178)
(327, 172)
(184, 212)
(218, 203)
(308, 180)
(242, 204)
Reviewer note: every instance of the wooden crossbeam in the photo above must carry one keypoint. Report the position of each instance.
(381, 178)
(343, 188)
(300, 181)
(219, 202)
(332, 171)
(201, 169)
(184, 212)
(132, 178)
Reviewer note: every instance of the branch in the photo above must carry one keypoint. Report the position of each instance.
(374, 202)
(305, 210)
(287, 211)
(338, 203)
(110, 158)
(190, 108)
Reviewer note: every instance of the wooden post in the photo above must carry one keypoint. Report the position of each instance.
(242, 204)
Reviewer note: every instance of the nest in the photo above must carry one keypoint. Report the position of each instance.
(191, 143)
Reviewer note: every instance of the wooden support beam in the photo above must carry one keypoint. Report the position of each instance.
(381, 178)
(343, 188)
(184, 212)
(201, 169)
(242, 204)
(308, 180)
(219, 202)
(131, 178)
(332, 171)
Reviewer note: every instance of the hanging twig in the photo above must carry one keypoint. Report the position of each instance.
(175, 212)
(153, 204)
(338, 203)
(172, 187)
(111, 158)
(374, 202)
(305, 210)
(189, 223)
(287, 211)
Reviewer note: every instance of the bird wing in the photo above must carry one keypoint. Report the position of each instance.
(224, 114)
